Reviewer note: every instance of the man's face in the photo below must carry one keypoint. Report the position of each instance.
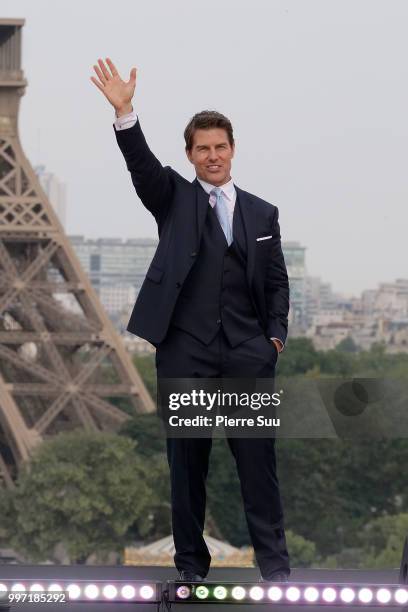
(211, 155)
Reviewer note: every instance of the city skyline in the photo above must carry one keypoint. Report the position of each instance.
(314, 92)
(78, 238)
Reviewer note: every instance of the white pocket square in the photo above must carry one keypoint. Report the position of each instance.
(263, 238)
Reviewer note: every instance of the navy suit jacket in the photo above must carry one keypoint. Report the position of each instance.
(180, 207)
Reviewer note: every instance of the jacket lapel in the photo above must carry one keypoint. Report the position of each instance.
(248, 217)
(202, 202)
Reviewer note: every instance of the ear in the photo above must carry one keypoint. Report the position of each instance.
(233, 150)
(188, 153)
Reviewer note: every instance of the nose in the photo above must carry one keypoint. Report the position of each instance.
(213, 155)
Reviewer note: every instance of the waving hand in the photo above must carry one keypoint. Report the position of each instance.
(118, 92)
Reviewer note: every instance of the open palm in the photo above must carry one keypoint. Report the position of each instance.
(118, 92)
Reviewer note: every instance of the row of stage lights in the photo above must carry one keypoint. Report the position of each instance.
(97, 590)
(190, 592)
(318, 594)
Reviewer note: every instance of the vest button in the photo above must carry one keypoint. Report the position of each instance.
(178, 285)
(193, 254)
(218, 321)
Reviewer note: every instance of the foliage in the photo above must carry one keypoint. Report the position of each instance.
(82, 490)
(148, 433)
(383, 539)
(302, 551)
(146, 367)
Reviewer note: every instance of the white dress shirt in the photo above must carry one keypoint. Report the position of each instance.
(127, 121)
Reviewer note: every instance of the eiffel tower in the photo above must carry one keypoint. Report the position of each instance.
(62, 365)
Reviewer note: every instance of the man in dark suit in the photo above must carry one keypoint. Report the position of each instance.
(214, 302)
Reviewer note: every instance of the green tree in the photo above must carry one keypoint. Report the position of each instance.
(147, 370)
(298, 358)
(347, 345)
(148, 433)
(82, 490)
(383, 540)
(302, 552)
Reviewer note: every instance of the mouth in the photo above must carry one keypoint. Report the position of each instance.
(213, 168)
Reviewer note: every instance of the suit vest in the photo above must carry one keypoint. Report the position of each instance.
(215, 293)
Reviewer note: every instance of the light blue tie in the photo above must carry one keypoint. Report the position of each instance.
(221, 211)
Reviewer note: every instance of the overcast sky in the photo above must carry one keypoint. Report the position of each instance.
(317, 91)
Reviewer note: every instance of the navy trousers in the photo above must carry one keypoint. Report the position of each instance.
(181, 355)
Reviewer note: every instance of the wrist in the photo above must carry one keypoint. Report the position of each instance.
(124, 110)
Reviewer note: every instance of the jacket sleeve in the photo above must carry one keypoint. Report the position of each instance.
(152, 181)
(277, 286)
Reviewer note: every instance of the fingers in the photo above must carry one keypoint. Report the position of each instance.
(104, 69)
(100, 75)
(132, 76)
(111, 66)
(97, 83)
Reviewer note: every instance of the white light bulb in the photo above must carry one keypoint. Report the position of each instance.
(91, 591)
(109, 591)
(275, 593)
(74, 591)
(238, 592)
(128, 591)
(365, 595)
(329, 594)
(401, 596)
(256, 593)
(311, 594)
(292, 593)
(383, 595)
(146, 592)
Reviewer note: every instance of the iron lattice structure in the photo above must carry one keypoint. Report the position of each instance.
(62, 364)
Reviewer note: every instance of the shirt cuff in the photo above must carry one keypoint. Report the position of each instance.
(280, 342)
(125, 121)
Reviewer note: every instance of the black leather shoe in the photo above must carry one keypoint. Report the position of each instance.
(277, 577)
(188, 576)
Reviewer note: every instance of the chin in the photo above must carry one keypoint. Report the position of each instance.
(216, 179)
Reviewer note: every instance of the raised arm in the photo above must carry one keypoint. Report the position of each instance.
(151, 181)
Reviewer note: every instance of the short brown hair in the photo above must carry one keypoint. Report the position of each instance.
(206, 120)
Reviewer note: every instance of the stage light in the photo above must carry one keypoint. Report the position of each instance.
(275, 593)
(256, 593)
(183, 592)
(109, 591)
(202, 592)
(311, 594)
(128, 591)
(238, 593)
(146, 592)
(241, 593)
(91, 591)
(329, 594)
(401, 596)
(220, 592)
(365, 595)
(347, 595)
(74, 591)
(293, 593)
(383, 595)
